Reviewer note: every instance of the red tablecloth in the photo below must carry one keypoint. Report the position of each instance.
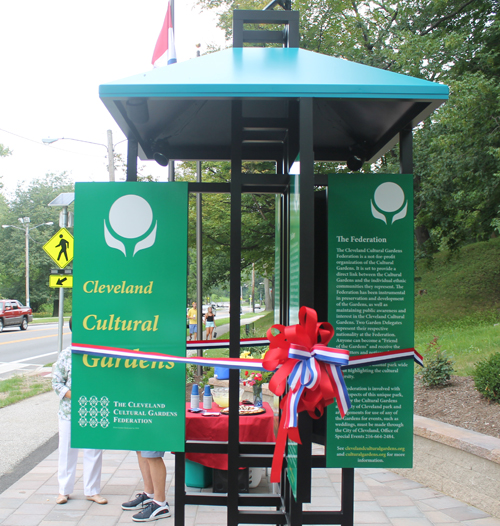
(254, 428)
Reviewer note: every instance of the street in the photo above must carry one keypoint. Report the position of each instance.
(23, 351)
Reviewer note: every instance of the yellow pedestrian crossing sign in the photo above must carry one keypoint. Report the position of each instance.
(60, 248)
(57, 281)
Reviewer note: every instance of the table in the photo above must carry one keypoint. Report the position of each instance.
(253, 428)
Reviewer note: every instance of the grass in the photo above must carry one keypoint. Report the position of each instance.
(462, 304)
(42, 318)
(464, 345)
(259, 331)
(19, 388)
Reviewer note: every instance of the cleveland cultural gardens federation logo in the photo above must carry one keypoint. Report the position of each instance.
(130, 225)
(93, 411)
(389, 199)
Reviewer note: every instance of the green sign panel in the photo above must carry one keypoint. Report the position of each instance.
(130, 270)
(291, 459)
(370, 276)
(294, 300)
(278, 232)
(294, 249)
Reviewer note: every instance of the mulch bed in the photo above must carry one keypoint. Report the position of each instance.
(458, 404)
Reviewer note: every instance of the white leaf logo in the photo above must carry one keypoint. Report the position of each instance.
(387, 199)
(130, 217)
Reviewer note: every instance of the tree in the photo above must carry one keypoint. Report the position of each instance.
(4, 152)
(257, 218)
(30, 202)
(452, 41)
(460, 173)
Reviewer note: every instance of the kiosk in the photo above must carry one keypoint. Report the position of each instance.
(282, 104)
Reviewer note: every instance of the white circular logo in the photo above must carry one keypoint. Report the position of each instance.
(389, 197)
(130, 216)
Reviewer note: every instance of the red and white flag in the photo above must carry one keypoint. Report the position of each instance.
(165, 42)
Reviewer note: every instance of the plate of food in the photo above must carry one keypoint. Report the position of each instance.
(246, 410)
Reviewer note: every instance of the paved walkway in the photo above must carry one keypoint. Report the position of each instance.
(381, 498)
(28, 485)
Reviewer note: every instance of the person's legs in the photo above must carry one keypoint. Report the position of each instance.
(92, 467)
(158, 475)
(68, 458)
(158, 508)
(146, 474)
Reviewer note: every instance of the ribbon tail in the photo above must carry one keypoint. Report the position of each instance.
(279, 448)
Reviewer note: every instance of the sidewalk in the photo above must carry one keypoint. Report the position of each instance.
(223, 329)
(28, 479)
(381, 498)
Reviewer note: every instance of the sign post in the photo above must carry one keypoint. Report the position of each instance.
(130, 292)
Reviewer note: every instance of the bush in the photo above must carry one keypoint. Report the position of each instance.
(437, 372)
(487, 377)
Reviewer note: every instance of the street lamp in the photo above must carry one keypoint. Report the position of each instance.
(109, 149)
(26, 222)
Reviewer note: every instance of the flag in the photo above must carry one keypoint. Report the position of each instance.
(165, 42)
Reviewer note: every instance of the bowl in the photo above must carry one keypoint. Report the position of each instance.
(221, 396)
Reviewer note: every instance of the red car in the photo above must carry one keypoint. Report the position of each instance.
(14, 313)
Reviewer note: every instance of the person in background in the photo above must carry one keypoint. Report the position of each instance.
(68, 456)
(209, 319)
(192, 316)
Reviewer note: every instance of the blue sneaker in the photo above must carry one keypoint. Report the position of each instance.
(153, 512)
(139, 503)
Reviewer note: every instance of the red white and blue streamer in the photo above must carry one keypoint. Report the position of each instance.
(299, 357)
(115, 352)
(224, 344)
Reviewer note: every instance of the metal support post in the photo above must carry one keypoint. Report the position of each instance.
(234, 322)
(132, 152)
(406, 151)
(199, 264)
(64, 224)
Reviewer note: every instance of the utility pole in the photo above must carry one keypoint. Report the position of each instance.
(111, 157)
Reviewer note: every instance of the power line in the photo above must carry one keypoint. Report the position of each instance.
(39, 143)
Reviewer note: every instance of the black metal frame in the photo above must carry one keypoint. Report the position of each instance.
(298, 137)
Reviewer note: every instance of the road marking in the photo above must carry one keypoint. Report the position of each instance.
(35, 338)
(6, 367)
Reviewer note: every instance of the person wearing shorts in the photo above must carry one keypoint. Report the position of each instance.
(152, 501)
(192, 320)
(210, 323)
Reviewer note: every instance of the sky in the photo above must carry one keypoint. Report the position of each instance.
(54, 56)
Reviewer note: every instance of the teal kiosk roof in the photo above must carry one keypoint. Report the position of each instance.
(184, 110)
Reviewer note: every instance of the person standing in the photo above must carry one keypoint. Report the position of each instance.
(209, 319)
(192, 316)
(68, 456)
(152, 501)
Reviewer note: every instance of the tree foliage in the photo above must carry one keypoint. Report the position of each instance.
(257, 224)
(456, 174)
(30, 201)
(458, 160)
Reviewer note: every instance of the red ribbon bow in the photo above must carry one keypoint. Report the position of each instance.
(307, 334)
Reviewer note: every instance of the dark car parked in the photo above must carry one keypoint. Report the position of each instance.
(13, 313)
